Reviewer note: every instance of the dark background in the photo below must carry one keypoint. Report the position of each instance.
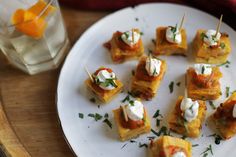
(214, 7)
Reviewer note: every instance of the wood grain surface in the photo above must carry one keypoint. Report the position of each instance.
(29, 101)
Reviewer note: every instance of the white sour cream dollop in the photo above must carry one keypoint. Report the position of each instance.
(102, 77)
(211, 38)
(204, 69)
(173, 36)
(127, 37)
(189, 108)
(179, 154)
(234, 111)
(135, 111)
(153, 66)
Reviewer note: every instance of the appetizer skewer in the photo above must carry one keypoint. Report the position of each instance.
(224, 117)
(167, 146)
(125, 45)
(171, 40)
(211, 46)
(147, 78)
(131, 120)
(104, 84)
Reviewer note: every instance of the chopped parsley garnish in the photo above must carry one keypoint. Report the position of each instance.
(126, 35)
(127, 98)
(93, 100)
(131, 102)
(154, 41)
(108, 82)
(91, 115)
(212, 105)
(195, 145)
(158, 121)
(203, 35)
(226, 63)
(133, 141)
(141, 33)
(157, 114)
(106, 115)
(96, 116)
(171, 87)
(174, 30)
(143, 145)
(178, 84)
(162, 131)
(222, 45)
(184, 137)
(155, 71)
(107, 122)
(203, 69)
(149, 52)
(227, 91)
(218, 138)
(208, 149)
(81, 115)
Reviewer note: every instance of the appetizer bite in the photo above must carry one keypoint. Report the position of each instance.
(104, 84)
(211, 46)
(125, 45)
(171, 40)
(224, 117)
(131, 120)
(148, 75)
(187, 117)
(203, 82)
(167, 146)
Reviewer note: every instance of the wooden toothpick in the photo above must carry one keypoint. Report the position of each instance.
(150, 59)
(219, 25)
(90, 76)
(182, 22)
(124, 112)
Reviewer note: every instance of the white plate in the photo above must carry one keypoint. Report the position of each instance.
(89, 138)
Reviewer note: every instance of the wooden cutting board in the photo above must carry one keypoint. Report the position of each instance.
(9, 142)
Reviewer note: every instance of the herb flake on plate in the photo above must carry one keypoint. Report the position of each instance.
(81, 115)
(107, 122)
(171, 87)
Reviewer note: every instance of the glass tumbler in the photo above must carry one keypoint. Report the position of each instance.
(32, 34)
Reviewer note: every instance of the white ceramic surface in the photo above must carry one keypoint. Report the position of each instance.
(89, 138)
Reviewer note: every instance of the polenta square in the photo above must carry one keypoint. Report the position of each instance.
(224, 117)
(147, 77)
(206, 51)
(104, 84)
(125, 45)
(187, 117)
(167, 146)
(203, 82)
(129, 124)
(165, 47)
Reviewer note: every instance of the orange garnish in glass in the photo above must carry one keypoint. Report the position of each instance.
(30, 22)
(39, 7)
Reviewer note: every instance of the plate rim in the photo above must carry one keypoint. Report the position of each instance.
(71, 52)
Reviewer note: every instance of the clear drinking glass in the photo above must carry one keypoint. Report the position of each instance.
(32, 34)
